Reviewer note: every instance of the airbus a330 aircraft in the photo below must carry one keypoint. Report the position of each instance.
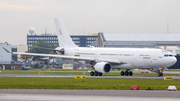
(102, 60)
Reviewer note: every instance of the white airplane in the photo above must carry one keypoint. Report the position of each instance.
(102, 60)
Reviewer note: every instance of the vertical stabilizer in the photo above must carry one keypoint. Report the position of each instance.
(63, 36)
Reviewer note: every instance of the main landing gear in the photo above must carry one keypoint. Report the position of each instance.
(95, 73)
(126, 73)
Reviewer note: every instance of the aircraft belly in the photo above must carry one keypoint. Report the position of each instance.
(122, 66)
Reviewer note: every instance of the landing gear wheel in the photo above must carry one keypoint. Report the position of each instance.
(92, 73)
(130, 73)
(126, 73)
(160, 74)
(96, 73)
(122, 73)
(100, 74)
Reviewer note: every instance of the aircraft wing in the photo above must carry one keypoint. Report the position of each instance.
(54, 56)
(69, 57)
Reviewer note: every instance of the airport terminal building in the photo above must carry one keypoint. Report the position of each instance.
(5, 58)
(79, 40)
(135, 40)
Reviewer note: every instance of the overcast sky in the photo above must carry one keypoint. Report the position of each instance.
(87, 16)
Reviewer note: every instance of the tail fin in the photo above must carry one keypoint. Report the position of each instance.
(63, 36)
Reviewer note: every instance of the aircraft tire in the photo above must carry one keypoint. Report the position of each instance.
(160, 74)
(100, 74)
(126, 73)
(96, 73)
(130, 73)
(92, 73)
(122, 73)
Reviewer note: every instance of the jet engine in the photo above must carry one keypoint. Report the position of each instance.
(103, 67)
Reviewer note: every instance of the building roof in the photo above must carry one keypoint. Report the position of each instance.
(140, 37)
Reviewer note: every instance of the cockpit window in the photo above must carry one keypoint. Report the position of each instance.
(168, 55)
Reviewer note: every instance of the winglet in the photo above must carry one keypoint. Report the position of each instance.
(7, 50)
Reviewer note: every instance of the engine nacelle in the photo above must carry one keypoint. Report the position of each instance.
(103, 67)
(60, 51)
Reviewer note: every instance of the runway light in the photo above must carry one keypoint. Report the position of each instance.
(149, 88)
(77, 77)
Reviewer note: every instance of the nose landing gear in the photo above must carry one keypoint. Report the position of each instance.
(160, 74)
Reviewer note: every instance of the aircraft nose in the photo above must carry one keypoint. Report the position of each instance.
(172, 61)
(175, 60)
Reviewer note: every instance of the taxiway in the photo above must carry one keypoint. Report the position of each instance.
(87, 95)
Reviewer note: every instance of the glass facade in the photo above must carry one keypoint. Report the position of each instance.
(79, 40)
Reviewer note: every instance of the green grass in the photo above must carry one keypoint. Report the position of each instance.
(89, 83)
(81, 73)
(173, 70)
